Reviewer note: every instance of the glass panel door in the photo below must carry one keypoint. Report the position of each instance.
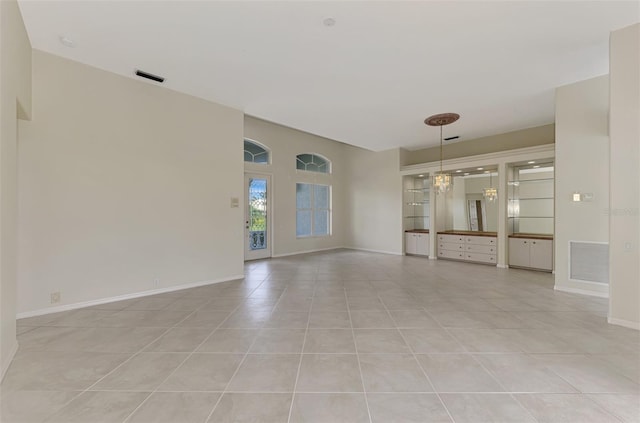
(257, 214)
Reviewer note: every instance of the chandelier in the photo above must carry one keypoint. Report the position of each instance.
(442, 182)
(491, 193)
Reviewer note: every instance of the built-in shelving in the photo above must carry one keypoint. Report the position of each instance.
(530, 204)
(416, 203)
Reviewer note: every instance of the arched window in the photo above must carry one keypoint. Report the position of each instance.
(255, 153)
(313, 163)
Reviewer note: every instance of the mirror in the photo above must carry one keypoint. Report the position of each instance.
(477, 215)
(466, 207)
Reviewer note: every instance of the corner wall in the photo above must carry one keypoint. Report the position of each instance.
(285, 144)
(581, 164)
(15, 102)
(624, 244)
(125, 187)
(374, 199)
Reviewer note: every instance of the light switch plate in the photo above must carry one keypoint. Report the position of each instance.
(235, 202)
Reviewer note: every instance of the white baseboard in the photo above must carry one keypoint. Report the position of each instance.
(306, 252)
(369, 250)
(625, 323)
(7, 361)
(581, 291)
(74, 306)
(502, 266)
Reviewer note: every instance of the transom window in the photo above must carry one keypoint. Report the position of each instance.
(255, 153)
(313, 163)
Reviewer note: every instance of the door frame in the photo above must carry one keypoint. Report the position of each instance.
(269, 250)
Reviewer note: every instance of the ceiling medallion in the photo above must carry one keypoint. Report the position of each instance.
(442, 182)
(442, 119)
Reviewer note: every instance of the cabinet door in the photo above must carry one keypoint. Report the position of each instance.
(422, 244)
(519, 252)
(541, 254)
(410, 246)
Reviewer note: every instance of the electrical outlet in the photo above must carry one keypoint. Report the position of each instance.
(55, 297)
(156, 282)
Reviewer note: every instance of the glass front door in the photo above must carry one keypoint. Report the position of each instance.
(257, 213)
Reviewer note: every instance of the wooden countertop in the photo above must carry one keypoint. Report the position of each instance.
(531, 236)
(418, 231)
(468, 233)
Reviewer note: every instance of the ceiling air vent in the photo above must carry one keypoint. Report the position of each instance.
(150, 76)
(452, 138)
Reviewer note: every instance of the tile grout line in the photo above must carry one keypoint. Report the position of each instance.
(418, 361)
(408, 286)
(225, 390)
(80, 392)
(304, 341)
(446, 330)
(188, 355)
(353, 334)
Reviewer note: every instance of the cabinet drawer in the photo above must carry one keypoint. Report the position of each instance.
(451, 254)
(450, 238)
(452, 246)
(479, 257)
(484, 249)
(481, 240)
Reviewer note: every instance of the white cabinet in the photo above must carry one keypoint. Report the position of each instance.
(531, 253)
(416, 243)
(479, 249)
(541, 254)
(519, 252)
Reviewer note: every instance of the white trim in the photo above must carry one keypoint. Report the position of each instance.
(83, 304)
(625, 323)
(7, 362)
(306, 252)
(393, 253)
(270, 201)
(259, 144)
(582, 291)
(502, 266)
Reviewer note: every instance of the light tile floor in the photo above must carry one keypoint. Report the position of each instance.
(342, 336)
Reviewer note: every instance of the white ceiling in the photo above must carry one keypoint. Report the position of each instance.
(370, 80)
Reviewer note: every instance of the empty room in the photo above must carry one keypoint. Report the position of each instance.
(319, 211)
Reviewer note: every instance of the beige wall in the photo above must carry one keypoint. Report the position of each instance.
(582, 151)
(15, 102)
(624, 228)
(123, 183)
(374, 200)
(529, 137)
(285, 144)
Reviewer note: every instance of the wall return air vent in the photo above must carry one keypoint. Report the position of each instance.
(150, 76)
(589, 261)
